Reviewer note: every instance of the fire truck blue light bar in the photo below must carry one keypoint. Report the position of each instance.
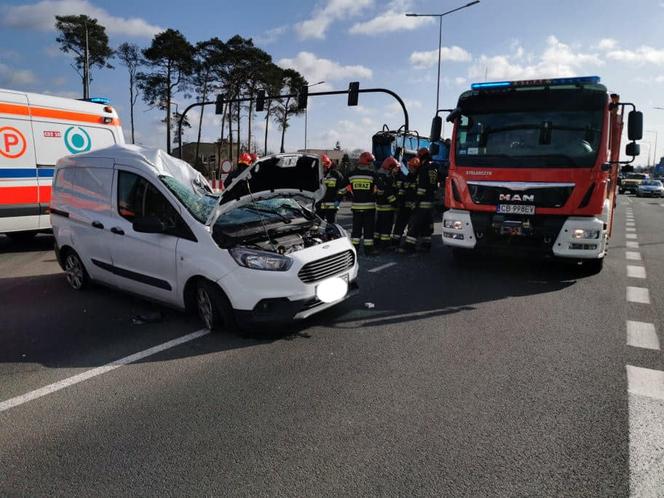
(582, 80)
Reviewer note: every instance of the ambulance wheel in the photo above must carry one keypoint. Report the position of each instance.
(21, 237)
(213, 307)
(75, 273)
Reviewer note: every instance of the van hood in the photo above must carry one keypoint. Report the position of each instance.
(279, 175)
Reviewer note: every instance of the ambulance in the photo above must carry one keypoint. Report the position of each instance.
(35, 131)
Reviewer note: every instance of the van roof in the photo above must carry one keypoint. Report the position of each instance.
(43, 100)
(151, 162)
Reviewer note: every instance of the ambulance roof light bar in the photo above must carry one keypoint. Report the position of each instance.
(582, 80)
(98, 100)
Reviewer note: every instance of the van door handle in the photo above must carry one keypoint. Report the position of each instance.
(118, 231)
(98, 224)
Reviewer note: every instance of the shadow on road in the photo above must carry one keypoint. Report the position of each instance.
(41, 242)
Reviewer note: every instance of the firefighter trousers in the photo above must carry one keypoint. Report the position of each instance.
(384, 222)
(364, 223)
(403, 217)
(420, 227)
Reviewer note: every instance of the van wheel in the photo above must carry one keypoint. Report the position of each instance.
(213, 307)
(75, 273)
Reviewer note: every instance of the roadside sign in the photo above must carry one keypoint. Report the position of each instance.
(226, 167)
(12, 142)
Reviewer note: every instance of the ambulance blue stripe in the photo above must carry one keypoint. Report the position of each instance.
(26, 172)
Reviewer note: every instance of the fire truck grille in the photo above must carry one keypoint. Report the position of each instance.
(327, 267)
(546, 197)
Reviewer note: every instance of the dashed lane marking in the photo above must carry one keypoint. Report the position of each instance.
(642, 335)
(631, 244)
(636, 271)
(628, 229)
(645, 382)
(630, 224)
(89, 374)
(638, 295)
(633, 255)
(382, 267)
(630, 236)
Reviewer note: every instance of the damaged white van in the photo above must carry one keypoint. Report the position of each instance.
(142, 221)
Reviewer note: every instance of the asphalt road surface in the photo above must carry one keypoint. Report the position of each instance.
(500, 377)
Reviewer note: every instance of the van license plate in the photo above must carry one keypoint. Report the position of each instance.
(515, 209)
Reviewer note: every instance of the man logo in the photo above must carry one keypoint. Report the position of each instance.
(517, 197)
(77, 140)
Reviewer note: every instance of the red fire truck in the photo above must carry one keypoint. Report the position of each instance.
(534, 167)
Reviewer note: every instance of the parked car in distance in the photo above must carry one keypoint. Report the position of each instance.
(631, 182)
(650, 188)
(142, 221)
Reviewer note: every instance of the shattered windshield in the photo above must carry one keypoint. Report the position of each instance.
(198, 201)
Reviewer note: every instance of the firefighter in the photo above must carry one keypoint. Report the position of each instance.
(335, 188)
(406, 198)
(420, 226)
(362, 182)
(386, 199)
(242, 163)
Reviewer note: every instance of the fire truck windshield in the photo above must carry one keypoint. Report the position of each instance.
(530, 129)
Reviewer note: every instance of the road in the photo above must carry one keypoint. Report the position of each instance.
(506, 377)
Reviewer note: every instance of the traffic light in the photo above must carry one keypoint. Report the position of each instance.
(260, 101)
(353, 93)
(219, 105)
(302, 98)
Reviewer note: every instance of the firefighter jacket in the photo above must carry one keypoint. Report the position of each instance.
(234, 174)
(427, 183)
(335, 188)
(386, 193)
(408, 190)
(362, 181)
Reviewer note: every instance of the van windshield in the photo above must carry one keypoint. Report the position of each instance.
(198, 201)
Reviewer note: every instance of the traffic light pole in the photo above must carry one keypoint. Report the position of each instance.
(221, 101)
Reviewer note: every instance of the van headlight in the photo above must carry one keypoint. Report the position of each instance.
(260, 260)
(583, 233)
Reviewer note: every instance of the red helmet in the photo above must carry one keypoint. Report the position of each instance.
(245, 158)
(390, 163)
(327, 162)
(366, 158)
(422, 152)
(414, 163)
(254, 157)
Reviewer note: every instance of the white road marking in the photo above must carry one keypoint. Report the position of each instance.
(89, 374)
(636, 271)
(642, 335)
(662, 205)
(630, 224)
(645, 382)
(630, 229)
(633, 255)
(382, 267)
(638, 295)
(631, 236)
(632, 245)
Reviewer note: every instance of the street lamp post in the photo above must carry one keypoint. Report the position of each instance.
(654, 153)
(440, 38)
(306, 114)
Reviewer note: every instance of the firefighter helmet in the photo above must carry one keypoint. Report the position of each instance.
(366, 158)
(389, 163)
(327, 162)
(414, 163)
(254, 157)
(245, 158)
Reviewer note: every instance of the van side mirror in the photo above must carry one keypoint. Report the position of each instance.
(149, 224)
(436, 127)
(633, 149)
(635, 126)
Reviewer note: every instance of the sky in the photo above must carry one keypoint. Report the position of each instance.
(370, 41)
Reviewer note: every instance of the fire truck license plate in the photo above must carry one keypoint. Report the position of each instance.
(515, 209)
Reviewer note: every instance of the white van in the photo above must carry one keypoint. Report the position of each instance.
(36, 131)
(145, 222)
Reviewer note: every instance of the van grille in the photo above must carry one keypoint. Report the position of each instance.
(326, 267)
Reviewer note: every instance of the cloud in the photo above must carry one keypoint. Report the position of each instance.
(460, 81)
(607, 44)
(393, 19)
(271, 35)
(642, 55)
(558, 59)
(316, 69)
(11, 77)
(421, 60)
(40, 16)
(323, 17)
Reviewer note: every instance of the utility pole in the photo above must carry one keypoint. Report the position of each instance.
(86, 65)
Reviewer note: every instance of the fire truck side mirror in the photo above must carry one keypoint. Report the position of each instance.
(635, 125)
(436, 127)
(633, 149)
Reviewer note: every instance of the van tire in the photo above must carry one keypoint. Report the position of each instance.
(75, 272)
(213, 307)
(21, 237)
